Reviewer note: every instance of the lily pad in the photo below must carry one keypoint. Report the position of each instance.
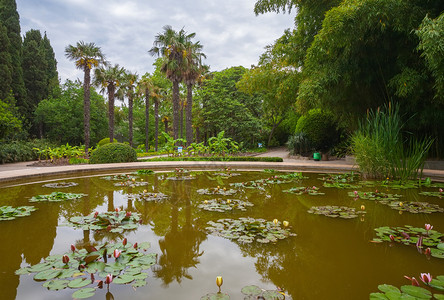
(221, 205)
(56, 284)
(144, 171)
(341, 185)
(301, 190)
(119, 177)
(58, 185)
(333, 211)
(413, 207)
(10, 213)
(79, 283)
(248, 230)
(217, 191)
(115, 221)
(147, 196)
(215, 296)
(378, 196)
(57, 197)
(438, 194)
(84, 293)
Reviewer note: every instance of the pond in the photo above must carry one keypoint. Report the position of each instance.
(309, 256)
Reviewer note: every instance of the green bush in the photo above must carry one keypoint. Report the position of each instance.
(320, 128)
(298, 144)
(217, 158)
(105, 141)
(17, 151)
(113, 153)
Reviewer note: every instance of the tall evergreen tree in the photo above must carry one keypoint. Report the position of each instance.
(9, 17)
(34, 71)
(5, 64)
(51, 72)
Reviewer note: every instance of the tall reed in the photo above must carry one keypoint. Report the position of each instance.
(382, 149)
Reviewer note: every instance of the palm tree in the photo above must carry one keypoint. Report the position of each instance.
(109, 78)
(128, 89)
(192, 72)
(144, 86)
(86, 56)
(172, 45)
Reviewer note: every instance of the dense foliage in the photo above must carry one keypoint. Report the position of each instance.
(113, 153)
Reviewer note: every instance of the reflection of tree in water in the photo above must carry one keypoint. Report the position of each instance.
(180, 245)
(29, 238)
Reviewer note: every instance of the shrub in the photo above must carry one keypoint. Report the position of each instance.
(320, 128)
(113, 153)
(105, 141)
(298, 144)
(16, 151)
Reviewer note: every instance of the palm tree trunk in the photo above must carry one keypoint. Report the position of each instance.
(181, 119)
(111, 92)
(189, 116)
(176, 109)
(147, 118)
(86, 107)
(130, 120)
(156, 123)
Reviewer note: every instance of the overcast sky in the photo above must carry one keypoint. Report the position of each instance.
(229, 31)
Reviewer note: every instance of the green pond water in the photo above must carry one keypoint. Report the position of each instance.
(329, 258)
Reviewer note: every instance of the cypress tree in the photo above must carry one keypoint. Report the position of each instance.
(51, 72)
(34, 71)
(9, 17)
(5, 64)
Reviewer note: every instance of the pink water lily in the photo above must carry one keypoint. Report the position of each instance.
(426, 278)
(128, 214)
(413, 280)
(428, 227)
(109, 279)
(117, 253)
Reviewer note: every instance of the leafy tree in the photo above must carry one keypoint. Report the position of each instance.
(128, 90)
(172, 46)
(9, 18)
(62, 115)
(86, 56)
(9, 121)
(225, 108)
(5, 64)
(109, 78)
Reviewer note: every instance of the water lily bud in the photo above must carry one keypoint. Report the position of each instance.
(219, 281)
(116, 253)
(108, 228)
(128, 214)
(440, 190)
(73, 248)
(428, 227)
(136, 245)
(275, 221)
(218, 187)
(228, 201)
(65, 259)
(285, 223)
(92, 278)
(362, 207)
(125, 241)
(155, 195)
(117, 209)
(427, 251)
(392, 237)
(133, 179)
(109, 279)
(145, 191)
(100, 284)
(426, 278)
(206, 202)
(225, 188)
(96, 214)
(401, 204)
(81, 267)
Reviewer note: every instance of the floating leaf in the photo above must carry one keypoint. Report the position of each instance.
(84, 293)
(301, 190)
(115, 221)
(123, 279)
(47, 274)
(59, 185)
(57, 197)
(251, 290)
(215, 296)
(222, 205)
(416, 291)
(56, 284)
(146, 196)
(333, 211)
(10, 213)
(217, 191)
(79, 283)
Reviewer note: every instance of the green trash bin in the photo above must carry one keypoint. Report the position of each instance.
(317, 156)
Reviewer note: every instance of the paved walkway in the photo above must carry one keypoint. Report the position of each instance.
(25, 170)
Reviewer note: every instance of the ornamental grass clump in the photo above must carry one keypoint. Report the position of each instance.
(382, 149)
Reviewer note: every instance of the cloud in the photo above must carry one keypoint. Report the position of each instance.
(125, 30)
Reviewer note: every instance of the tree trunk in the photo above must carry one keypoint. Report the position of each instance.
(130, 120)
(111, 92)
(181, 119)
(86, 107)
(189, 116)
(176, 109)
(156, 122)
(275, 125)
(147, 118)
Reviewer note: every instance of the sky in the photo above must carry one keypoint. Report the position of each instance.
(230, 32)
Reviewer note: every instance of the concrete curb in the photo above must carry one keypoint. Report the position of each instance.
(40, 173)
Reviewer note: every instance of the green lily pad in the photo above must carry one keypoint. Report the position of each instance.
(119, 177)
(251, 290)
(389, 288)
(144, 171)
(57, 197)
(59, 185)
(84, 293)
(47, 274)
(147, 196)
(416, 291)
(79, 283)
(221, 205)
(301, 190)
(272, 295)
(56, 284)
(433, 194)
(10, 213)
(378, 196)
(217, 191)
(216, 296)
(115, 221)
(123, 279)
(333, 211)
